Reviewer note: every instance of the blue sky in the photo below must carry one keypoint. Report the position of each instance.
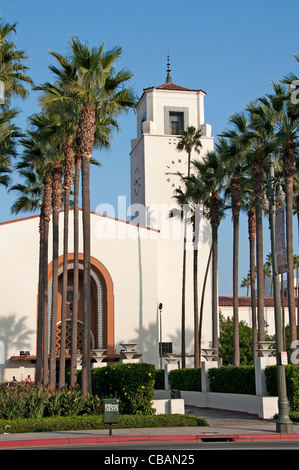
(232, 50)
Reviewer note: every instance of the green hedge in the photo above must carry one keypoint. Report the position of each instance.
(185, 379)
(231, 379)
(292, 384)
(132, 384)
(76, 423)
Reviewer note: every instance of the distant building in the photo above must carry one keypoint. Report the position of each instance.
(245, 311)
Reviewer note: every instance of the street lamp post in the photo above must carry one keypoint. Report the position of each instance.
(160, 349)
(283, 423)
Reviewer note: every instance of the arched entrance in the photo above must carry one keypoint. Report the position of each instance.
(102, 305)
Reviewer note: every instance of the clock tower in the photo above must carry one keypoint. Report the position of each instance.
(163, 112)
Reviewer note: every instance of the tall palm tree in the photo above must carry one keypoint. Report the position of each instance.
(234, 155)
(60, 99)
(52, 147)
(251, 218)
(97, 91)
(186, 198)
(189, 141)
(33, 195)
(208, 185)
(287, 134)
(57, 99)
(260, 135)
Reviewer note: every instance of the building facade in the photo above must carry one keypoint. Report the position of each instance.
(136, 265)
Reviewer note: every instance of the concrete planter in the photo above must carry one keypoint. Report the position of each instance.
(169, 406)
(264, 407)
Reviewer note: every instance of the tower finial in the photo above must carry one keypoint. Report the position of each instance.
(168, 78)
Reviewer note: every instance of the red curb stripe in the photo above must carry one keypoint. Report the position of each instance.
(116, 439)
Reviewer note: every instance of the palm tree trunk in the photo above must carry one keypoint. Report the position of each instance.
(45, 379)
(74, 320)
(260, 273)
(235, 199)
(258, 181)
(215, 290)
(235, 290)
(183, 339)
(85, 139)
(68, 181)
(46, 214)
(195, 294)
(290, 258)
(252, 236)
(64, 292)
(202, 300)
(39, 343)
(56, 198)
(55, 225)
(86, 378)
(288, 157)
(282, 312)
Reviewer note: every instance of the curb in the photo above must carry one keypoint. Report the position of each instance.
(139, 439)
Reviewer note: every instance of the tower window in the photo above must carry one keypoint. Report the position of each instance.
(176, 120)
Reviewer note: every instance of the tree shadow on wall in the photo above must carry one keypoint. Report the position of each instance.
(148, 340)
(14, 334)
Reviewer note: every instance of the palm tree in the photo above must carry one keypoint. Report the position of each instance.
(296, 269)
(62, 93)
(249, 209)
(187, 199)
(189, 140)
(12, 65)
(29, 200)
(97, 91)
(234, 152)
(260, 136)
(33, 195)
(246, 283)
(287, 133)
(48, 136)
(9, 135)
(208, 185)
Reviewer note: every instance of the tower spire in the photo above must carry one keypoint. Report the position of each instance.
(168, 77)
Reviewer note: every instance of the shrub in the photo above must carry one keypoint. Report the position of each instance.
(35, 401)
(132, 384)
(292, 384)
(185, 379)
(232, 379)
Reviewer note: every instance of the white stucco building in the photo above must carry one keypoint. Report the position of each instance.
(135, 265)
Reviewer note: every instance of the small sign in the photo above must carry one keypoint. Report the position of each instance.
(284, 358)
(110, 407)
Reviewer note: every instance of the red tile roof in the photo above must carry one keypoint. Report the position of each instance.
(246, 301)
(174, 87)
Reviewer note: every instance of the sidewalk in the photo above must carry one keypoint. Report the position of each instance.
(222, 426)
